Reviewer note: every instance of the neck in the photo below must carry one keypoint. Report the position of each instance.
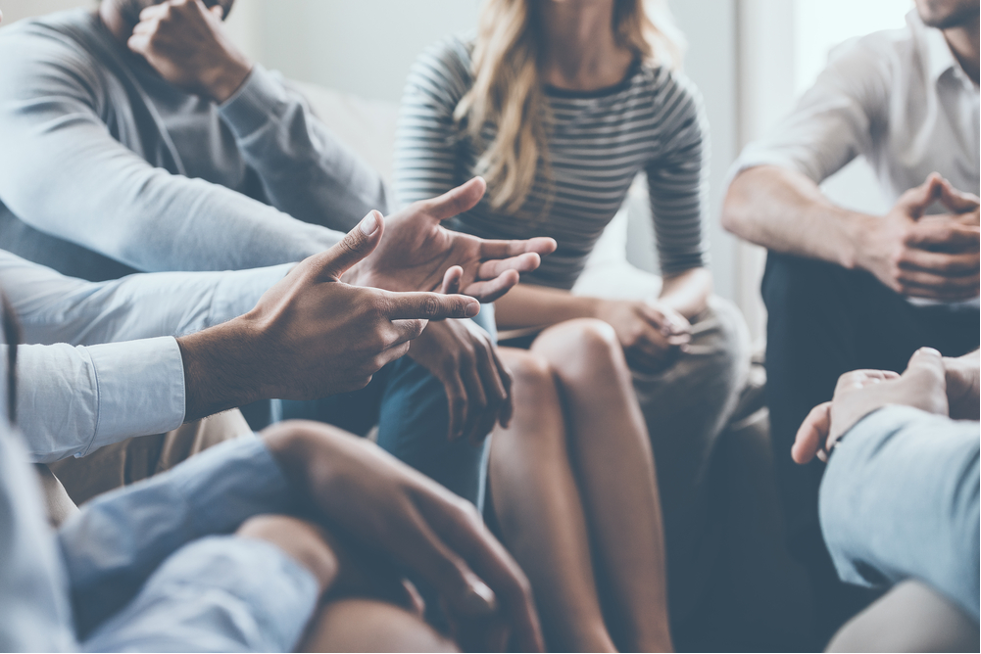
(117, 20)
(963, 42)
(580, 49)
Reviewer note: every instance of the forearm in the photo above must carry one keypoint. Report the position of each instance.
(913, 476)
(688, 292)
(527, 305)
(785, 211)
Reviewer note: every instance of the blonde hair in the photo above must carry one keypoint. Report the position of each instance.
(507, 91)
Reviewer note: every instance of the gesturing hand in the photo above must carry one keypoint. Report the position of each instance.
(417, 251)
(860, 392)
(932, 257)
(651, 333)
(310, 335)
(185, 42)
(404, 517)
(478, 386)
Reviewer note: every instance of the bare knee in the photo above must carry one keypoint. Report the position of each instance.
(304, 542)
(364, 625)
(533, 376)
(581, 348)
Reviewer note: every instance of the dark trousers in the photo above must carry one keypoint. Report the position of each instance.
(823, 321)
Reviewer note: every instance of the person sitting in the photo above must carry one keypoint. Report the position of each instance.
(560, 106)
(297, 538)
(899, 500)
(845, 289)
(168, 151)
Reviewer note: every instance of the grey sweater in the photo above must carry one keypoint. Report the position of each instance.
(106, 168)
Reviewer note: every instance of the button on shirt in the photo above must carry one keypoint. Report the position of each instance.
(101, 362)
(899, 98)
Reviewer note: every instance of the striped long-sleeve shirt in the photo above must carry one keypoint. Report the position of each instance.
(597, 142)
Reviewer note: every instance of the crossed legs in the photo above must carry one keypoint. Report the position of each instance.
(573, 486)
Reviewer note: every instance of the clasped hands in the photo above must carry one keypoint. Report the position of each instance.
(932, 383)
(927, 256)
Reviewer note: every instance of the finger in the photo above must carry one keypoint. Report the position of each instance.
(927, 361)
(812, 434)
(423, 551)
(477, 396)
(944, 236)
(498, 249)
(155, 11)
(355, 246)
(405, 330)
(917, 199)
(489, 291)
(925, 286)
(506, 380)
(521, 263)
(456, 201)
(496, 393)
(957, 200)
(941, 263)
(488, 558)
(139, 43)
(456, 399)
(430, 306)
(393, 353)
(218, 12)
(452, 280)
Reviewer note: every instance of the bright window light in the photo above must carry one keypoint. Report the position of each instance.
(820, 25)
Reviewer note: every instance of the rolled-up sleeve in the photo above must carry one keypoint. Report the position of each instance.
(121, 537)
(832, 122)
(217, 594)
(899, 500)
(74, 400)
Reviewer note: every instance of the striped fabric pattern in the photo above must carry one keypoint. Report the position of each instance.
(597, 143)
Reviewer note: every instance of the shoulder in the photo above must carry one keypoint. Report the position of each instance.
(54, 49)
(873, 59)
(673, 97)
(444, 68)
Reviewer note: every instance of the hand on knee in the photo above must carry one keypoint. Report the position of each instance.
(301, 540)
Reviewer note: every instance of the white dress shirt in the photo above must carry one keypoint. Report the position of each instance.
(899, 98)
(101, 363)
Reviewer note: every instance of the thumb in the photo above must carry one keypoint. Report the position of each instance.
(956, 200)
(358, 244)
(916, 200)
(926, 361)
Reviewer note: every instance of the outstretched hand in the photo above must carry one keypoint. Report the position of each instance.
(860, 392)
(310, 335)
(417, 251)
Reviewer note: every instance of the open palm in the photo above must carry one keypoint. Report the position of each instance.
(417, 251)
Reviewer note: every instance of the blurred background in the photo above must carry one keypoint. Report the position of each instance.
(749, 58)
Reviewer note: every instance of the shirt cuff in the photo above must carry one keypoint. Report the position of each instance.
(140, 386)
(254, 103)
(239, 291)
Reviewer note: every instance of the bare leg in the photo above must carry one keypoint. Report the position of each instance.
(611, 453)
(367, 625)
(539, 509)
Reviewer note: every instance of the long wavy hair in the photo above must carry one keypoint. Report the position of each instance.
(507, 89)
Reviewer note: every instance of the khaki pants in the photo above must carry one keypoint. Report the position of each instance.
(73, 481)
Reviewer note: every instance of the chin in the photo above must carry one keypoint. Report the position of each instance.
(946, 14)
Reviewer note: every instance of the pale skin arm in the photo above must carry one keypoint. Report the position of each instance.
(932, 257)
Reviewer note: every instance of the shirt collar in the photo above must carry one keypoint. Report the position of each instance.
(938, 58)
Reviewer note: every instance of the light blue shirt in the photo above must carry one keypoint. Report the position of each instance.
(102, 362)
(899, 500)
(150, 567)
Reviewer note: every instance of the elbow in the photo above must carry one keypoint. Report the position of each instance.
(736, 208)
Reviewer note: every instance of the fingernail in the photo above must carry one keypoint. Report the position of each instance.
(479, 599)
(369, 224)
(930, 350)
(473, 310)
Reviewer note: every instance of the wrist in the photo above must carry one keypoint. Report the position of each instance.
(226, 79)
(861, 240)
(221, 369)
